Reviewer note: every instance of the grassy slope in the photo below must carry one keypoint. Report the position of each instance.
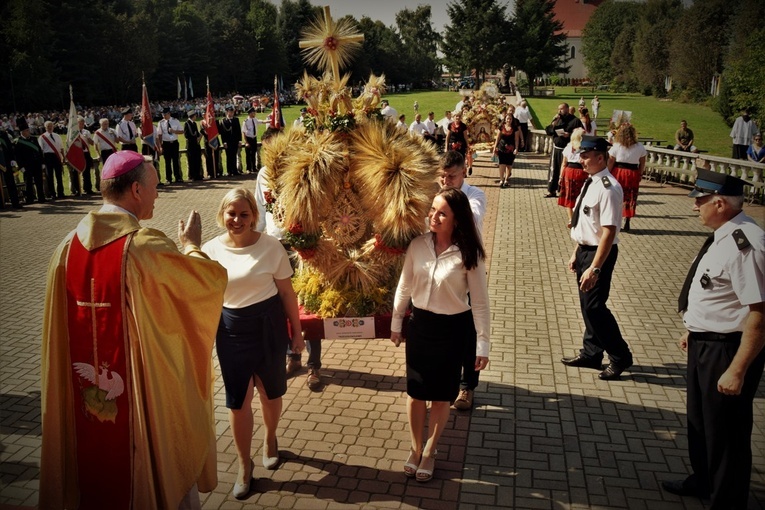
(651, 117)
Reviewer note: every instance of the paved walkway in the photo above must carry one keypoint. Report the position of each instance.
(541, 436)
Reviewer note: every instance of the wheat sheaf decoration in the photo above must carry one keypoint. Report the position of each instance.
(349, 190)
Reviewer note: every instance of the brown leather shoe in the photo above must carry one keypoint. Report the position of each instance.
(464, 400)
(314, 379)
(293, 366)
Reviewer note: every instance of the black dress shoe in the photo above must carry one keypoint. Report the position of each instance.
(612, 372)
(687, 487)
(582, 362)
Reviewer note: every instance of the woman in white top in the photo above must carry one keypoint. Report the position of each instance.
(440, 269)
(572, 175)
(590, 128)
(626, 160)
(252, 334)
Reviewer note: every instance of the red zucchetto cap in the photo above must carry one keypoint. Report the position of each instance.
(121, 163)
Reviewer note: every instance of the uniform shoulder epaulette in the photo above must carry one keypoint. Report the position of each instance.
(741, 241)
(606, 182)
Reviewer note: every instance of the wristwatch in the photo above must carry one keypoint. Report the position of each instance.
(596, 271)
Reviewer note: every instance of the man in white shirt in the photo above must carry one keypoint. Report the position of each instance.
(418, 126)
(298, 124)
(430, 126)
(388, 111)
(168, 129)
(401, 124)
(126, 131)
(744, 129)
(723, 307)
(53, 157)
(595, 227)
(250, 135)
(523, 115)
(105, 140)
(87, 174)
(452, 173)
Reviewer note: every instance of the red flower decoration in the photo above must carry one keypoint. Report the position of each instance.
(269, 197)
(380, 245)
(307, 253)
(296, 229)
(330, 43)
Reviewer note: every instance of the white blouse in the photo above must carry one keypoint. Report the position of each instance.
(251, 270)
(440, 284)
(631, 154)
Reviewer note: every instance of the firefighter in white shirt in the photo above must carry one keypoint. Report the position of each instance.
(168, 129)
(126, 131)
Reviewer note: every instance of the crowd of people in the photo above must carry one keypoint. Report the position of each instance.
(111, 312)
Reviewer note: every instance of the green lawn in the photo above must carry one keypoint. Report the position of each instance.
(652, 117)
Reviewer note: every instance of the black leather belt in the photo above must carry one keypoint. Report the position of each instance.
(574, 165)
(587, 247)
(707, 336)
(631, 166)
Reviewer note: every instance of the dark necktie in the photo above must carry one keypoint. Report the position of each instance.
(130, 131)
(575, 217)
(682, 301)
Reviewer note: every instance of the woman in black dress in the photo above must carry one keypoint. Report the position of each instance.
(506, 146)
(457, 135)
(440, 269)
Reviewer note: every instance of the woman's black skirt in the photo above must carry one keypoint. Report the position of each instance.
(435, 347)
(253, 341)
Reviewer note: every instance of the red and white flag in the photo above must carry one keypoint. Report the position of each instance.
(147, 122)
(75, 155)
(211, 126)
(277, 120)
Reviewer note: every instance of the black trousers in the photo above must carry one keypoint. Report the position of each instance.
(53, 168)
(470, 375)
(525, 136)
(87, 175)
(130, 147)
(720, 426)
(33, 179)
(553, 175)
(314, 354)
(170, 151)
(212, 162)
(10, 183)
(252, 154)
(232, 150)
(194, 158)
(601, 331)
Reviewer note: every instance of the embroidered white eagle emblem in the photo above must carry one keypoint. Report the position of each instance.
(114, 386)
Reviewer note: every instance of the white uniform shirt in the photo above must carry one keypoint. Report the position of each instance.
(602, 206)
(163, 127)
(444, 124)
(430, 126)
(251, 270)
(250, 126)
(736, 279)
(417, 128)
(630, 155)
(266, 221)
(743, 132)
(477, 199)
(401, 125)
(522, 114)
(109, 134)
(389, 113)
(440, 284)
(123, 132)
(45, 146)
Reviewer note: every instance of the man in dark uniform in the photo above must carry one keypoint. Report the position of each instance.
(30, 158)
(560, 129)
(212, 152)
(126, 131)
(723, 306)
(595, 228)
(250, 132)
(193, 149)
(7, 162)
(231, 135)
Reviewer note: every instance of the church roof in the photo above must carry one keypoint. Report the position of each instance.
(574, 14)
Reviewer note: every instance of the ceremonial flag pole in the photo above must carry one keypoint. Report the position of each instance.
(277, 120)
(75, 155)
(179, 87)
(211, 128)
(147, 121)
(191, 88)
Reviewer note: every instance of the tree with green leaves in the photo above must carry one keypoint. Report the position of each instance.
(381, 53)
(420, 43)
(607, 24)
(294, 17)
(699, 43)
(538, 45)
(477, 39)
(658, 18)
